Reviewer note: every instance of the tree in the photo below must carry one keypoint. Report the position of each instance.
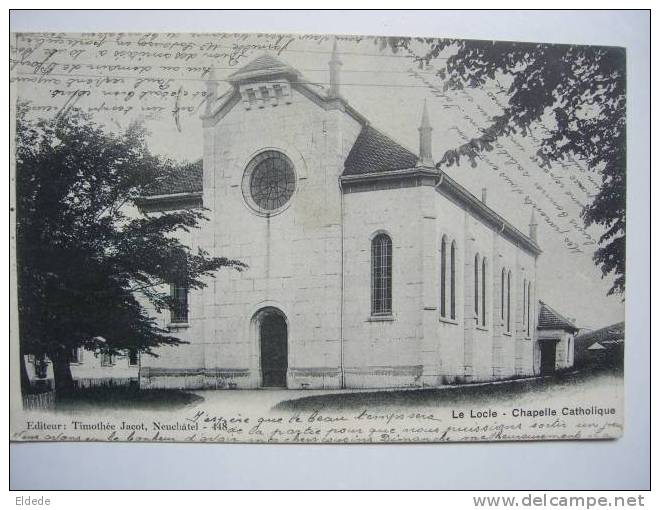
(583, 88)
(88, 262)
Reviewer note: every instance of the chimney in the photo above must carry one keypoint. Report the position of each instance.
(484, 194)
(211, 92)
(335, 67)
(533, 227)
(425, 147)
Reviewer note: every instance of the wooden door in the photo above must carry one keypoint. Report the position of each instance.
(548, 356)
(274, 352)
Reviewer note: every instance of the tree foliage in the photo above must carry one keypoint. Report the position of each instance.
(582, 88)
(88, 262)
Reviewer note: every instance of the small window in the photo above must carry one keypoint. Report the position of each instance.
(179, 308)
(381, 275)
(107, 359)
(41, 366)
(133, 358)
(76, 355)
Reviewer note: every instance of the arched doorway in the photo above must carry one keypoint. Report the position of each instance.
(273, 346)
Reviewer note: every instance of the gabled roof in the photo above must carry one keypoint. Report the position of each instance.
(609, 339)
(375, 152)
(549, 318)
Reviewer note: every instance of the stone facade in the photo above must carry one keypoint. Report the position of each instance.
(310, 261)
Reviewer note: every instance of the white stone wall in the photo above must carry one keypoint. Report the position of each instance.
(178, 366)
(564, 355)
(487, 351)
(419, 346)
(383, 351)
(447, 334)
(294, 257)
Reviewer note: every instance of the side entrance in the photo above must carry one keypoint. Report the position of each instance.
(548, 356)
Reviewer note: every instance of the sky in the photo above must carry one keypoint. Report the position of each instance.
(108, 77)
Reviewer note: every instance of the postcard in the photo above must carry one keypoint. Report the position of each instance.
(295, 238)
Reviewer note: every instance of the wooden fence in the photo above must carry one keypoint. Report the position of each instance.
(44, 400)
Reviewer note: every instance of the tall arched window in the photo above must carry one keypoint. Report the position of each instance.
(476, 286)
(179, 306)
(502, 287)
(381, 275)
(524, 303)
(443, 277)
(483, 292)
(452, 280)
(529, 307)
(508, 301)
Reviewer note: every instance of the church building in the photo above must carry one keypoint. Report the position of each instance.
(367, 266)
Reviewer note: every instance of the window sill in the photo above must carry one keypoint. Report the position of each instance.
(507, 333)
(448, 320)
(178, 325)
(482, 328)
(381, 318)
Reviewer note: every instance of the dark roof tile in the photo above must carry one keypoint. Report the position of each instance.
(552, 319)
(613, 333)
(185, 179)
(375, 152)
